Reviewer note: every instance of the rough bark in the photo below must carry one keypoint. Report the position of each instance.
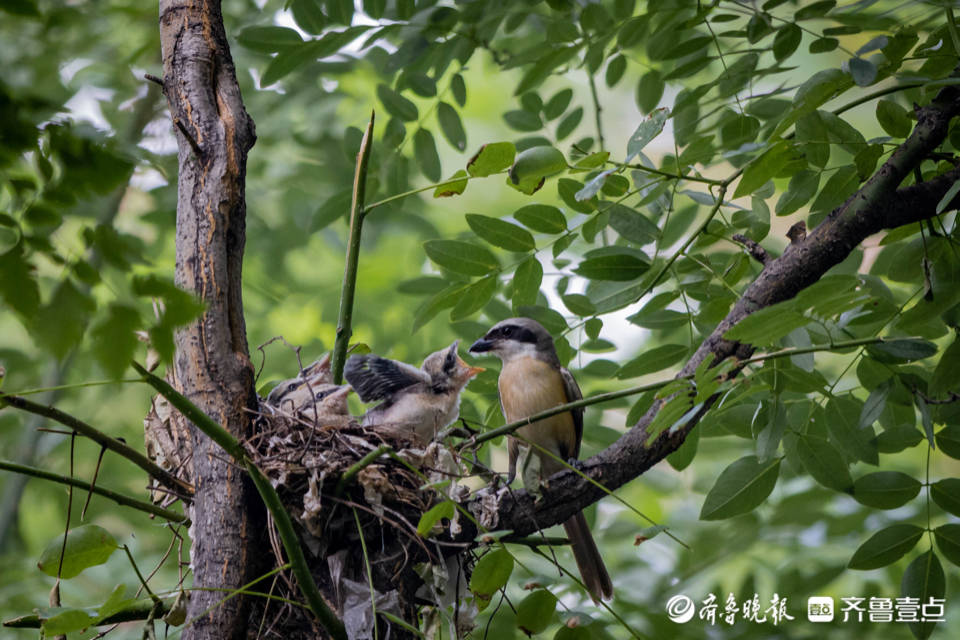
(212, 365)
(879, 204)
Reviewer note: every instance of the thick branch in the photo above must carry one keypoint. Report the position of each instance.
(878, 204)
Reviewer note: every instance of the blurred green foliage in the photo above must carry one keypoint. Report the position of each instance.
(806, 98)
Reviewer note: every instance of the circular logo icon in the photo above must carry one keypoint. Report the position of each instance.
(680, 609)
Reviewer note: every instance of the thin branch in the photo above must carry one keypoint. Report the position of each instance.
(119, 498)
(358, 466)
(632, 391)
(357, 213)
(596, 108)
(113, 444)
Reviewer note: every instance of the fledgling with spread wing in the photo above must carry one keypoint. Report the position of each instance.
(422, 401)
(532, 380)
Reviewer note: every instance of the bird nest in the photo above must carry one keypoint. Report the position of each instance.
(349, 487)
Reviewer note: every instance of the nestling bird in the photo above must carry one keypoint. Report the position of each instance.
(312, 395)
(423, 400)
(532, 381)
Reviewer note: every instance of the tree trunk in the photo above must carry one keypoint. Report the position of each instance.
(212, 364)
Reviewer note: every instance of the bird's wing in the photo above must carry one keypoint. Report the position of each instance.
(374, 378)
(573, 394)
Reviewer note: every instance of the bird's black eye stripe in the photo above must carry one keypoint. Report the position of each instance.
(450, 361)
(516, 333)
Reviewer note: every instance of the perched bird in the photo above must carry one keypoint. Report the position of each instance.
(423, 400)
(312, 395)
(532, 381)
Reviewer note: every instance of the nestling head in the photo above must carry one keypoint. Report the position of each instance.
(447, 369)
(515, 337)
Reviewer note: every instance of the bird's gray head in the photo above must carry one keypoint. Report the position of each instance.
(447, 369)
(516, 337)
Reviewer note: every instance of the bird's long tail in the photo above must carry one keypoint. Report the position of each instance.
(585, 552)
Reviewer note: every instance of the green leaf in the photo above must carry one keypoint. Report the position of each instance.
(683, 456)
(946, 493)
(308, 15)
(948, 440)
(766, 326)
(556, 105)
(620, 267)
(948, 541)
(569, 123)
(491, 574)
(396, 104)
(60, 325)
(542, 218)
(501, 233)
(87, 546)
(893, 118)
(838, 188)
(649, 129)
(741, 487)
(425, 151)
(766, 166)
(67, 621)
(863, 72)
(803, 186)
(821, 87)
(114, 340)
(441, 300)
(948, 197)
(901, 351)
(615, 70)
(535, 612)
(459, 89)
(492, 158)
(433, 515)
(451, 126)
(650, 90)
(303, 54)
(536, 163)
(885, 547)
(269, 39)
(632, 225)
(823, 462)
(815, 10)
(885, 489)
(842, 418)
(923, 579)
(786, 41)
(578, 304)
(18, 286)
(656, 359)
(545, 65)
(474, 298)
(526, 282)
(523, 120)
(461, 257)
(454, 185)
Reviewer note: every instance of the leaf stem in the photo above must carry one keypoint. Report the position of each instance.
(357, 214)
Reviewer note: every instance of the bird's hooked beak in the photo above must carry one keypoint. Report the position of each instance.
(481, 346)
